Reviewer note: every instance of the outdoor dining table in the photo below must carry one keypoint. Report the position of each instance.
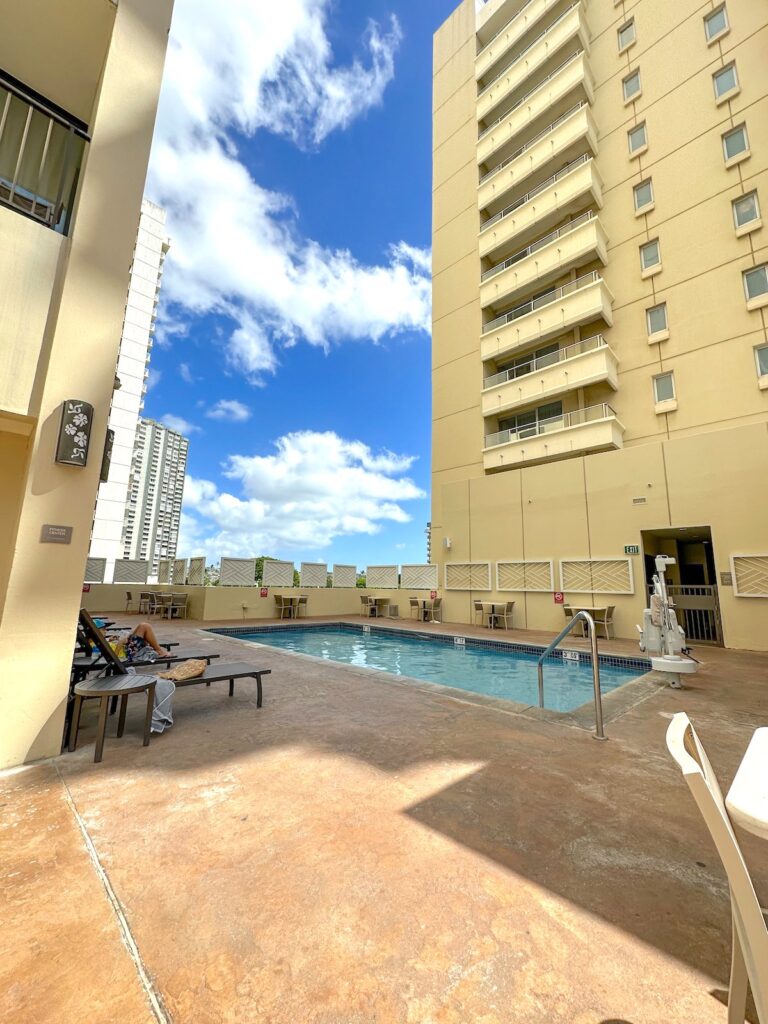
(379, 606)
(489, 608)
(596, 611)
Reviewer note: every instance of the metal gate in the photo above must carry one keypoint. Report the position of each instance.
(698, 612)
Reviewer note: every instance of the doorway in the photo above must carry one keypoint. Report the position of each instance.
(691, 582)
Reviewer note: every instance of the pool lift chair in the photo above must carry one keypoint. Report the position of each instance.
(661, 636)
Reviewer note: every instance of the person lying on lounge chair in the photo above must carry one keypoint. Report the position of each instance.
(139, 647)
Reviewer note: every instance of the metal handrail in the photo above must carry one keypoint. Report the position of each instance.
(537, 138)
(534, 365)
(583, 159)
(521, 53)
(527, 96)
(504, 27)
(566, 420)
(580, 616)
(540, 243)
(545, 299)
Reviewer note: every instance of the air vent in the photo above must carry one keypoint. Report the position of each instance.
(639, 501)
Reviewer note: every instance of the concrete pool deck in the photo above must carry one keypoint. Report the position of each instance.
(356, 852)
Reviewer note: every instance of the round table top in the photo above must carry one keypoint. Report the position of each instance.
(747, 799)
(115, 685)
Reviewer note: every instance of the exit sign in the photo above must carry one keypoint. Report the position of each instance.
(631, 549)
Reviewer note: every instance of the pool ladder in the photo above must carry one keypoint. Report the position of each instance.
(582, 616)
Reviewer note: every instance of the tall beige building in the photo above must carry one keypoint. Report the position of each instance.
(79, 84)
(600, 362)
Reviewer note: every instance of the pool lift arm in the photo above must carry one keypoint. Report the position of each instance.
(661, 636)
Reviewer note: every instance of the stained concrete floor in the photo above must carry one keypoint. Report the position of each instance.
(361, 851)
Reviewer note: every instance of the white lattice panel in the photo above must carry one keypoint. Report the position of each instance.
(381, 577)
(278, 574)
(237, 572)
(468, 576)
(344, 575)
(750, 575)
(128, 570)
(95, 569)
(419, 577)
(164, 570)
(313, 574)
(180, 571)
(528, 576)
(196, 576)
(596, 576)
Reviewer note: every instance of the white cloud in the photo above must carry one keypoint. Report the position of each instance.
(186, 374)
(314, 488)
(229, 409)
(180, 425)
(153, 379)
(234, 69)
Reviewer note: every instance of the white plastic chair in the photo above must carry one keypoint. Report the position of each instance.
(749, 958)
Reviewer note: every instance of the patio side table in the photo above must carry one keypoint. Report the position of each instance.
(105, 690)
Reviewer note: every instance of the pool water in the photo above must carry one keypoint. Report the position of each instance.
(510, 675)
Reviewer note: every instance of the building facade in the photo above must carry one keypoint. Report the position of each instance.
(152, 514)
(109, 520)
(600, 292)
(77, 110)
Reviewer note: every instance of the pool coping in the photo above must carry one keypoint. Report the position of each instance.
(616, 702)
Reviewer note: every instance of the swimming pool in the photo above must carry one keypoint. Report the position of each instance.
(493, 669)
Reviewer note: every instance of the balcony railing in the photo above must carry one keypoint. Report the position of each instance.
(543, 300)
(527, 96)
(563, 422)
(521, 53)
(597, 341)
(537, 138)
(41, 152)
(578, 162)
(540, 243)
(504, 27)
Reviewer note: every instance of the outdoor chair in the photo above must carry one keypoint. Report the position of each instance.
(605, 621)
(115, 684)
(578, 629)
(478, 611)
(393, 611)
(162, 605)
(283, 607)
(301, 606)
(414, 606)
(505, 615)
(146, 602)
(749, 955)
(128, 601)
(365, 606)
(433, 610)
(178, 607)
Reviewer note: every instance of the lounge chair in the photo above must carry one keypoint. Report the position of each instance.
(227, 672)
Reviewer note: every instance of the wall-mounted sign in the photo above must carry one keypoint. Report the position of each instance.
(106, 459)
(74, 432)
(264, 592)
(559, 597)
(631, 549)
(726, 579)
(86, 588)
(55, 534)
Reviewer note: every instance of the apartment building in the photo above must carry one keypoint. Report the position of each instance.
(79, 84)
(152, 514)
(108, 534)
(600, 345)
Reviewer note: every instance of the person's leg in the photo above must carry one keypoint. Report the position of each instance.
(145, 632)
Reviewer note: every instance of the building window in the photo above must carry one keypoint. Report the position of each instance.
(735, 143)
(656, 319)
(650, 255)
(716, 24)
(631, 86)
(725, 81)
(643, 194)
(761, 358)
(637, 138)
(756, 282)
(746, 210)
(664, 387)
(626, 35)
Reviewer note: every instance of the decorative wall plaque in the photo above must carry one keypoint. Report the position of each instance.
(74, 432)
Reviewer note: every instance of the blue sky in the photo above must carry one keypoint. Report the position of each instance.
(293, 156)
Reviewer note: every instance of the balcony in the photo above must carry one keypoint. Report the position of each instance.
(571, 135)
(568, 191)
(570, 79)
(594, 429)
(40, 157)
(540, 56)
(575, 244)
(591, 361)
(510, 35)
(578, 302)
